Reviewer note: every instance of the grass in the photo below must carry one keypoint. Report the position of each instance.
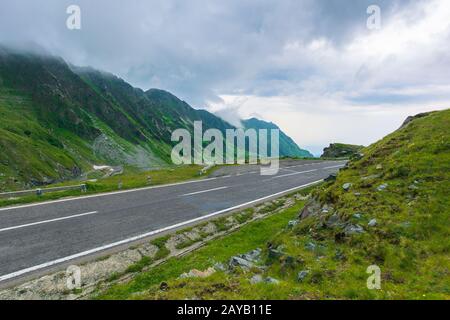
(131, 178)
(146, 261)
(410, 242)
(219, 250)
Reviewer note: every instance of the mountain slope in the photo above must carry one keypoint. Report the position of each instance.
(59, 120)
(288, 148)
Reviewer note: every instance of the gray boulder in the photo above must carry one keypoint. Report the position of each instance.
(252, 255)
(275, 254)
(333, 221)
(257, 278)
(353, 229)
(311, 246)
(372, 223)
(292, 223)
(347, 186)
(240, 262)
(271, 280)
(302, 275)
(382, 187)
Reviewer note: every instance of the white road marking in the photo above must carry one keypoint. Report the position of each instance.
(145, 235)
(47, 221)
(104, 194)
(341, 165)
(291, 174)
(203, 191)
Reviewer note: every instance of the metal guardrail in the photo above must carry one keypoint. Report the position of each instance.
(40, 191)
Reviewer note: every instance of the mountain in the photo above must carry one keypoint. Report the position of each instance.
(59, 119)
(341, 150)
(288, 148)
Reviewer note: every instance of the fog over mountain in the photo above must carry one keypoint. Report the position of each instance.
(312, 67)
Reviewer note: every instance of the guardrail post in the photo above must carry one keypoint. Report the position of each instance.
(39, 192)
(83, 188)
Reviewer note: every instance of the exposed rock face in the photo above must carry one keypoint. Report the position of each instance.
(411, 118)
(311, 208)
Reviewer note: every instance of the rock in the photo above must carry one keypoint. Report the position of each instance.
(271, 280)
(247, 260)
(353, 229)
(302, 275)
(220, 266)
(240, 262)
(357, 216)
(411, 118)
(371, 177)
(339, 255)
(357, 156)
(382, 187)
(347, 186)
(252, 255)
(333, 221)
(372, 223)
(357, 194)
(310, 209)
(292, 223)
(275, 254)
(311, 246)
(331, 177)
(194, 273)
(289, 262)
(379, 167)
(257, 278)
(413, 187)
(163, 286)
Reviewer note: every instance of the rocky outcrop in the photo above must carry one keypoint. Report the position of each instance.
(341, 150)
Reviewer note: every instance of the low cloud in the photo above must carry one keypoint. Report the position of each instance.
(310, 66)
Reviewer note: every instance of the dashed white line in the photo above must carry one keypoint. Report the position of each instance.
(47, 221)
(145, 235)
(203, 191)
(341, 165)
(105, 194)
(292, 174)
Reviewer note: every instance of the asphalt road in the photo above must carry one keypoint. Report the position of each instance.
(40, 236)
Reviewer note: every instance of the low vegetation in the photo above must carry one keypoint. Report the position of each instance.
(389, 209)
(130, 179)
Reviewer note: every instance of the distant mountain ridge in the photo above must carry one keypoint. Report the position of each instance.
(58, 120)
(288, 148)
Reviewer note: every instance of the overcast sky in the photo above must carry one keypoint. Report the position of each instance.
(312, 67)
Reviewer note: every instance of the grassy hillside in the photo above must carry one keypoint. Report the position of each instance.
(391, 208)
(59, 120)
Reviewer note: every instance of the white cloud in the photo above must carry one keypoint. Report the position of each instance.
(310, 66)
